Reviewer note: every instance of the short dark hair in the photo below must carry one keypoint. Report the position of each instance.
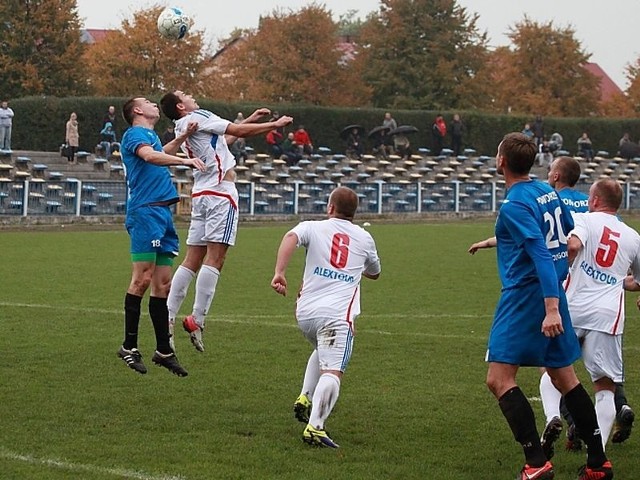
(569, 170)
(168, 104)
(127, 110)
(519, 152)
(609, 191)
(346, 202)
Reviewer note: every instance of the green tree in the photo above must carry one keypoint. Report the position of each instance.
(40, 47)
(542, 73)
(423, 54)
(292, 57)
(137, 60)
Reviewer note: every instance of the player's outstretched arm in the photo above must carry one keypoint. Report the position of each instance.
(488, 243)
(148, 154)
(285, 251)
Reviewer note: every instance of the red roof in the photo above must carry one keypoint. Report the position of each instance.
(93, 35)
(608, 87)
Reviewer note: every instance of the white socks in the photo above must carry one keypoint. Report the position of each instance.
(550, 397)
(324, 399)
(311, 375)
(179, 286)
(606, 413)
(205, 290)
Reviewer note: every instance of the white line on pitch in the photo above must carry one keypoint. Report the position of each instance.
(79, 467)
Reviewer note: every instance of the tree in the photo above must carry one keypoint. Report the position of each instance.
(423, 54)
(40, 47)
(543, 73)
(633, 91)
(136, 60)
(293, 57)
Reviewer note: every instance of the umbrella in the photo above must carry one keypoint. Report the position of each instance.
(403, 130)
(347, 130)
(380, 130)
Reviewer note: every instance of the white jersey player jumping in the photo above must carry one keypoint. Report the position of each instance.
(603, 250)
(214, 202)
(339, 253)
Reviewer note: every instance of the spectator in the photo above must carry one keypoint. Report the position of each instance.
(6, 120)
(168, 135)
(108, 141)
(354, 144)
(585, 148)
(555, 142)
(538, 130)
(456, 127)
(72, 138)
(290, 150)
(386, 146)
(274, 139)
(110, 117)
(625, 139)
(239, 147)
(438, 132)
(303, 140)
(402, 145)
(275, 115)
(544, 156)
(527, 131)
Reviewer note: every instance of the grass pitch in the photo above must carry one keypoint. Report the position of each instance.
(413, 403)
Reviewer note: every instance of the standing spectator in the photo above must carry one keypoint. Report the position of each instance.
(456, 127)
(303, 140)
(6, 120)
(386, 145)
(438, 132)
(169, 134)
(214, 204)
(532, 326)
(239, 147)
(72, 137)
(274, 139)
(585, 148)
(149, 222)
(328, 303)
(538, 130)
(110, 117)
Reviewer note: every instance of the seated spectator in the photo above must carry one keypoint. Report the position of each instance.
(168, 135)
(527, 131)
(274, 139)
(402, 146)
(108, 141)
(354, 144)
(290, 150)
(239, 147)
(625, 139)
(555, 142)
(303, 140)
(544, 156)
(585, 148)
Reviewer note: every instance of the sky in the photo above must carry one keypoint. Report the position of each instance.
(606, 29)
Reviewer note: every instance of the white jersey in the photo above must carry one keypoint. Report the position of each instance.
(595, 283)
(209, 145)
(338, 252)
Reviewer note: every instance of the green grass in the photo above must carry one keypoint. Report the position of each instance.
(413, 403)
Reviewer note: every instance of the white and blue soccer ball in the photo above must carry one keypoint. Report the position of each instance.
(173, 23)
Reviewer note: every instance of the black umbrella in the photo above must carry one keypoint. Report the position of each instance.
(403, 130)
(380, 130)
(348, 129)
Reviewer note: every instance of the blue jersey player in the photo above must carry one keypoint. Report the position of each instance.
(149, 222)
(532, 326)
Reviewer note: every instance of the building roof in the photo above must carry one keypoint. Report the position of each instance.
(93, 35)
(608, 87)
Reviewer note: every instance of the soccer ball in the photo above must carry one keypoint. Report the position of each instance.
(173, 23)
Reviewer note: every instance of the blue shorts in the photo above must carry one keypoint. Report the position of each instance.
(516, 337)
(151, 230)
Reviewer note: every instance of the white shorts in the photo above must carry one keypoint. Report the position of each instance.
(332, 338)
(601, 354)
(214, 216)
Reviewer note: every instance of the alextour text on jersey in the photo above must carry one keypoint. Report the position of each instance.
(332, 274)
(597, 274)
